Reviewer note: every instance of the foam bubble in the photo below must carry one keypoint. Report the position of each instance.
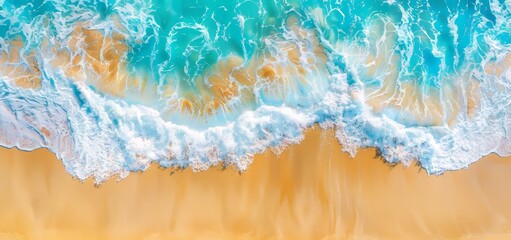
(104, 89)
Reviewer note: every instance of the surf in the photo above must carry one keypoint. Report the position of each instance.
(115, 86)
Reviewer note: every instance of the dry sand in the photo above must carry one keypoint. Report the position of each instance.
(311, 191)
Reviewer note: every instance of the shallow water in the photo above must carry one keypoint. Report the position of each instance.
(113, 86)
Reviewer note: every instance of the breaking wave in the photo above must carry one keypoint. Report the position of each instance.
(112, 86)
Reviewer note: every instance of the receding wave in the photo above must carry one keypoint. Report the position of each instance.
(113, 86)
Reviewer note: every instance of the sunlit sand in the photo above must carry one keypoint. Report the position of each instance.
(310, 191)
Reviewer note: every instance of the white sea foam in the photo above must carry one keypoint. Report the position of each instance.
(100, 136)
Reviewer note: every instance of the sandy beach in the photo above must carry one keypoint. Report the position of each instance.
(310, 191)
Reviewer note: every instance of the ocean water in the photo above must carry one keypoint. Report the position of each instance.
(111, 86)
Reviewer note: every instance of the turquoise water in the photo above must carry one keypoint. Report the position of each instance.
(426, 80)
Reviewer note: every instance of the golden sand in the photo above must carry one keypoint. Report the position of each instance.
(311, 191)
(25, 73)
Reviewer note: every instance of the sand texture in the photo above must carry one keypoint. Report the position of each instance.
(310, 191)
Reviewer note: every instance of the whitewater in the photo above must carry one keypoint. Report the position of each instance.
(112, 86)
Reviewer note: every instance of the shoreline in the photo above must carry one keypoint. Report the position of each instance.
(312, 190)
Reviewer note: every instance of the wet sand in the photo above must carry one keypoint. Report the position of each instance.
(310, 191)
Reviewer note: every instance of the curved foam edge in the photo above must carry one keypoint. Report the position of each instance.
(96, 136)
(100, 136)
